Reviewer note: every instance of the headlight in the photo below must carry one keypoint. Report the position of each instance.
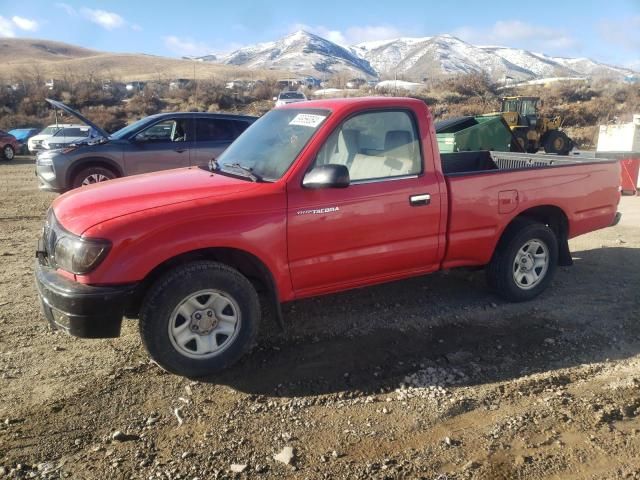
(44, 159)
(79, 255)
(70, 252)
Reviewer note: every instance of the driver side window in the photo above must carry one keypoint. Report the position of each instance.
(166, 131)
(374, 145)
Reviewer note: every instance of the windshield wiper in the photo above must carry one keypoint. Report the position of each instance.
(248, 170)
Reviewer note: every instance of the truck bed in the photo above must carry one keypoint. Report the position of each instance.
(465, 163)
(487, 189)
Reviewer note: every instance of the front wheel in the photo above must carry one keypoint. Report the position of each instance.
(199, 318)
(91, 175)
(520, 141)
(557, 142)
(524, 262)
(8, 153)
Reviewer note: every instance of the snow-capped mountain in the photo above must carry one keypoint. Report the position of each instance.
(301, 52)
(384, 55)
(442, 55)
(437, 56)
(412, 58)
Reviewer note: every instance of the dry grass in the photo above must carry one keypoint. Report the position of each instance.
(28, 50)
(45, 59)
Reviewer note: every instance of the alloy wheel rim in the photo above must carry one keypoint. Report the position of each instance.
(8, 153)
(204, 324)
(94, 178)
(531, 264)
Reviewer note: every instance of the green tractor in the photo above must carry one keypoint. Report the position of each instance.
(531, 130)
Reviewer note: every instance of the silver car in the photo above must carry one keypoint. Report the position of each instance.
(289, 97)
(69, 135)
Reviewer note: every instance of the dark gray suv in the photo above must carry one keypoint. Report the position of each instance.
(158, 142)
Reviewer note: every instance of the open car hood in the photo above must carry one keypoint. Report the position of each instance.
(78, 115)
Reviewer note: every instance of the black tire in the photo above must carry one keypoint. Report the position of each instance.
(8, 152)
(165, 298)
(520, 136)
(92, 175)
(557, 142)
(501, 272)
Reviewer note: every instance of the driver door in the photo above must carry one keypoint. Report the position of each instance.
(378, 228)
(164, 145)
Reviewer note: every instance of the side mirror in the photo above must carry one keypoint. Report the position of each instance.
(275, 99)
(327, 176)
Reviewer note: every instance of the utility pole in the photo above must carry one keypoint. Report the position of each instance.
(195, 83)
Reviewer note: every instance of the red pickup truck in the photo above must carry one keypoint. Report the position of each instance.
(314, 198)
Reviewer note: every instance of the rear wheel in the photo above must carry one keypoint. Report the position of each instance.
(524, 262)
(8, 153)
(199, 318)
(91, 175)
(557, 142)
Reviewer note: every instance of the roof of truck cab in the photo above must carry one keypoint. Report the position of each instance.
(336, 104)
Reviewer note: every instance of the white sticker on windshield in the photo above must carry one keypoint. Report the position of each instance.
(307, 120)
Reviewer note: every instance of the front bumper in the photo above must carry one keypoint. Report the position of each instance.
(81, 310)
(35, 148)
(47, 179)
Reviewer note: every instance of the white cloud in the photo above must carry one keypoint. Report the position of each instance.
(516, 33)
(67, 8)
(25, 23)
(6, 27)
(351, 35)
(107, 20)
(370, 33)
(186, 46)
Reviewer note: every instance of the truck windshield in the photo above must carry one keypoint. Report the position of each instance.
(291, 95)
(270, 145)
(510, 106)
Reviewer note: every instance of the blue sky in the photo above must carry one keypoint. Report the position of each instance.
(607, 31)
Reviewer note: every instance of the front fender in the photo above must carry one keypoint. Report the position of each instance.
(79, 163)
(146, 239)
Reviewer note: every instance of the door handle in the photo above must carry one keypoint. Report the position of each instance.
(419, 200)
(180, 150)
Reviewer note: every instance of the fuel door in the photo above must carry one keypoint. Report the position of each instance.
(507, 201)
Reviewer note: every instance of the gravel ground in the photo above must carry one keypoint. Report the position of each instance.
(432, 378)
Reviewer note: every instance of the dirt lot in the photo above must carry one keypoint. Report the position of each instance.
(431, 378)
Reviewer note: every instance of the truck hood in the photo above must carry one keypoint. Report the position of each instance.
(84, 207)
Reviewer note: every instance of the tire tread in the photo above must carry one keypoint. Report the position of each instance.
(158, 291)
(498, 271)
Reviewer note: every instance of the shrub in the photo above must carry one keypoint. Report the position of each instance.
(142, 105)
